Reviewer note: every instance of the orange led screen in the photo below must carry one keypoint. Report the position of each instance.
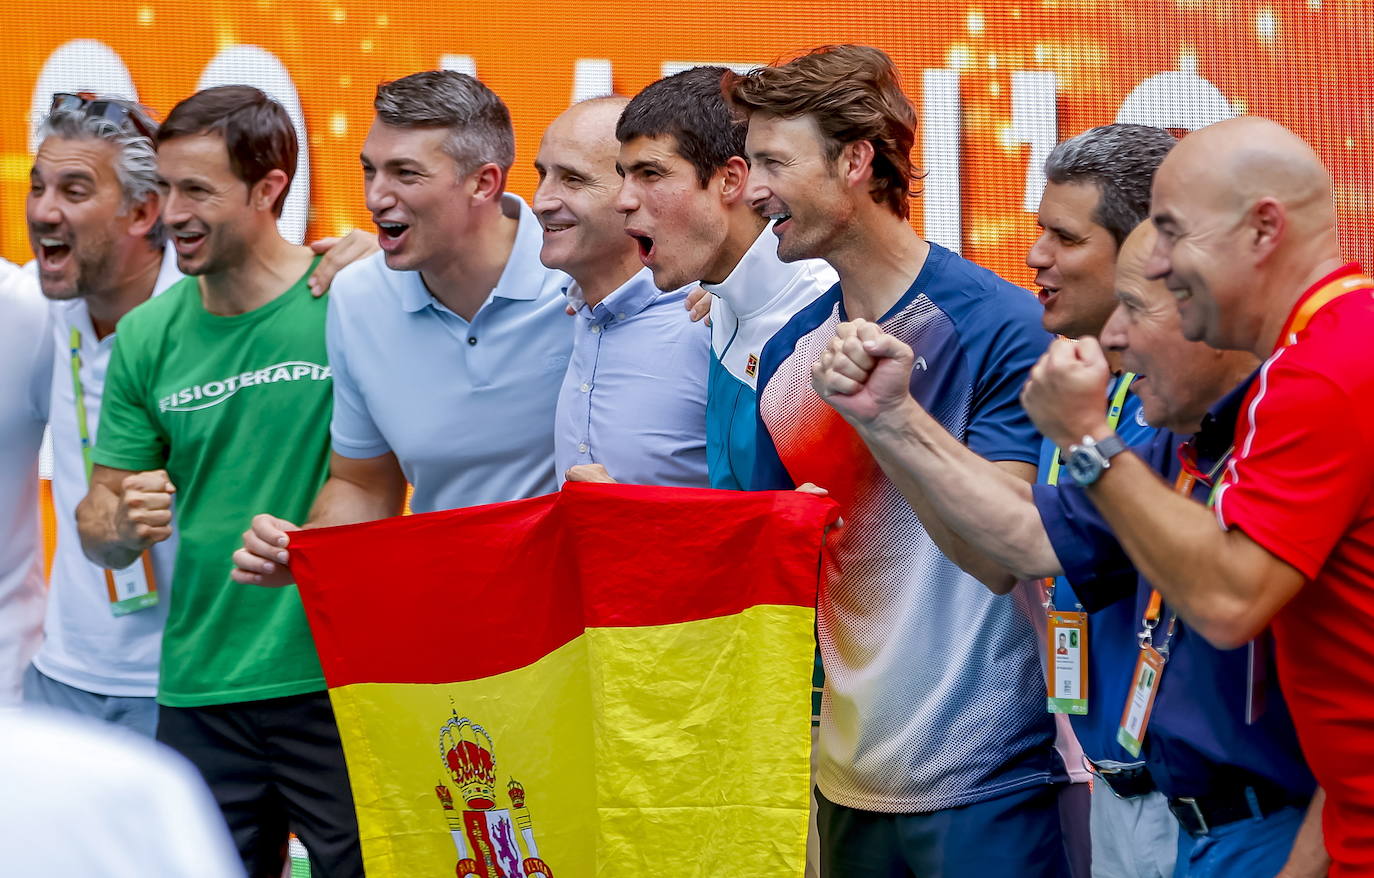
(995, 84)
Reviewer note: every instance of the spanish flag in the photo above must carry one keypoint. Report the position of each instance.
(609, 681)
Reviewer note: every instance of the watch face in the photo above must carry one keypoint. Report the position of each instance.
(1084, 466)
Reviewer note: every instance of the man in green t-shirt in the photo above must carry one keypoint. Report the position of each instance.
(217, 404)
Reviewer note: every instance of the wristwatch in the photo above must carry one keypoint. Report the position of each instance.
(1088, 459)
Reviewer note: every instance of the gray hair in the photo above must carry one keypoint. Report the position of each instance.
(135, 165)
(479, 124)
(1121, 159)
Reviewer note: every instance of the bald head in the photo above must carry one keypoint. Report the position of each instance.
(1246, 220)
(578, 182)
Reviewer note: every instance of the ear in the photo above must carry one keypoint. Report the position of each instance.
(1267, 223)
(488, 183)
(144, 215)
(733, 179)
(266, 191)
(855, 164)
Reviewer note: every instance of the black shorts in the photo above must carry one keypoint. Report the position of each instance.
(274, 766)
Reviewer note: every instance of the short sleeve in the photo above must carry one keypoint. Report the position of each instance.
(1094, 562)
(1302, 470)
(128, 435)
(352, 431)
(999, 428)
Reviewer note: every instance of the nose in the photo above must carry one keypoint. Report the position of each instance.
(627, 199)
(44, 207)
(1040, 254)
(756, 191)
(1157, 263)
(377, 194)
(175, 210)
(1114, 332)
(545, 198)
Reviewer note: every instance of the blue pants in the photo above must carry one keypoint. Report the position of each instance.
(1013, 835)
(1254, 848)
(137, 714)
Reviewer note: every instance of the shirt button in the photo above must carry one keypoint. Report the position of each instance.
(586, 387)
(582, 448)
(472, 339)
(596, 329)
(620, 317)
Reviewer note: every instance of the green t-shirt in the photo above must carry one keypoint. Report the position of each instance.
(237, 411)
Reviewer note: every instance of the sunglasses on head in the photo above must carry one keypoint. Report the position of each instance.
(114, 110)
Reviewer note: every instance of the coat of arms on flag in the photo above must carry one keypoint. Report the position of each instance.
(633, 664)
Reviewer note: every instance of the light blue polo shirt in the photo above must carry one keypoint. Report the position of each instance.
(634, 398)
(467, 407)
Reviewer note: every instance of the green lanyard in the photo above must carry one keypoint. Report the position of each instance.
(82, 428)
(1123, 387)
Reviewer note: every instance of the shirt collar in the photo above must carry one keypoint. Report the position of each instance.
(522, 277)
(1218, 430)
(625, 301)
(758, 276)
(1350, 269)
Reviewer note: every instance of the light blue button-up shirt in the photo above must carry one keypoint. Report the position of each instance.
(634, 397)
(467, 407)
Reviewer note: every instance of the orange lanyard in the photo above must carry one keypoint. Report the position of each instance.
(1183, 486)
(1324, 296)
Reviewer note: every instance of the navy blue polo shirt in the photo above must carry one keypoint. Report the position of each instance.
(1109, 670)
(1198, 741)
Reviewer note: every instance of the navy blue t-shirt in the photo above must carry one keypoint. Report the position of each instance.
(1197, 740)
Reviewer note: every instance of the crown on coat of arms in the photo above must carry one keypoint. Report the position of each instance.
(466, 749)
(517, 794)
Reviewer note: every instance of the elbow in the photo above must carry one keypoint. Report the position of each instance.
(1228, 627)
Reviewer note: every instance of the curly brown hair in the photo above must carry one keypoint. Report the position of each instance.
(854, 93)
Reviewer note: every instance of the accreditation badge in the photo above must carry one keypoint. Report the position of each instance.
(1140, 701)
(133, 588)
(1067, 637)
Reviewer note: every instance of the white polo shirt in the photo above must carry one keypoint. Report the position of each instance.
(85, 645)
(467, 407)
(25, 374)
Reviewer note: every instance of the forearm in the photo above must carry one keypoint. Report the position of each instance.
(982, 517)
(1211, 577)
(95, 524)
(1308, 858)
(342, 501)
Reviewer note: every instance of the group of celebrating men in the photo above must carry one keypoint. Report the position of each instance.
(1212, 676)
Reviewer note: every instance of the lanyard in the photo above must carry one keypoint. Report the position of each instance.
(82, 427)
(1183, 486)
(1326, 294)
(1118, 402)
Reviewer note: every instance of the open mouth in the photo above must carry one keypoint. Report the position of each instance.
(555, 228)
(1045, 294)
(53, 253)
(646, 247)
(390, 234)
(186, 242)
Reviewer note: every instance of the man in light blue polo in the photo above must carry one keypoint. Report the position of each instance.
(633, 403)
(448, 349)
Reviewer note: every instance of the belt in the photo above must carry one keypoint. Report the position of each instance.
(1199, 815)
(1125, 782)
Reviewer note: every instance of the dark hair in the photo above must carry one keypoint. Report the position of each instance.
(256, 130)
(690, 108)
(479, 123)
(1121, 159)
(855, 94)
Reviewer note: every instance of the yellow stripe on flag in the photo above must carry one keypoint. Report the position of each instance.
(613, 755)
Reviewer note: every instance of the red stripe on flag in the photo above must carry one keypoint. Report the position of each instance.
(461, 595)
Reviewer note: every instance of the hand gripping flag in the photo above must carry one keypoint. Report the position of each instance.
(609, 681)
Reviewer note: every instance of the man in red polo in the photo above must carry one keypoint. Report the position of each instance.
(1247, 244)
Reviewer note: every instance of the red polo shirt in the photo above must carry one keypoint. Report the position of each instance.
(1301, 484)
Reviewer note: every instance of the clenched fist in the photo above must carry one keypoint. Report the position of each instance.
(144, 514)
(864, 373)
